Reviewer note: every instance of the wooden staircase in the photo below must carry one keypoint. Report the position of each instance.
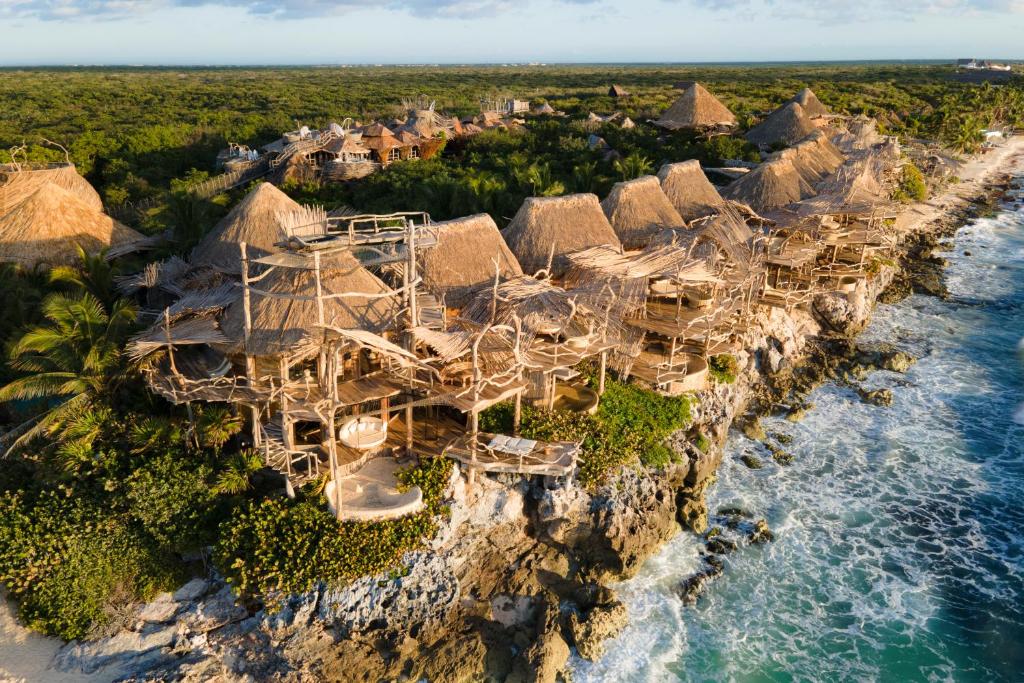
(298, 466)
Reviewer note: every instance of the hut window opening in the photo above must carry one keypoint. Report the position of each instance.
(394, 154)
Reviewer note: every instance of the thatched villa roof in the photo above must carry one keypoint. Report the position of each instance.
(16, 185)
(562, 224)
(773, 184)
(812, 106)
(280, 324)
(696, 108)
(544, 108)
(638, 210)
(861, 134)
(815, 158)
(689, 190)
(617, 91)
(253, 221)
(786, 125)
(46, 226)
(464, 259)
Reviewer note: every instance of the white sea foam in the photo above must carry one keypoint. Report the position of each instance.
(898, 551)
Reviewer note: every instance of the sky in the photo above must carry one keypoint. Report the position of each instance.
(185, 32)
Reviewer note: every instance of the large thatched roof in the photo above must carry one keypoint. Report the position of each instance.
(16, 185)
(279, 325)
(46, 226)
(812, 106)
(785, 126)
(253, 221)
(559, 224)
(773, 184)
(689, 190)
(464, 259)
(815, 158)
(696, 108)
(638, 210)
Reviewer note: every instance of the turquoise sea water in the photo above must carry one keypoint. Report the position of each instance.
(899, 551)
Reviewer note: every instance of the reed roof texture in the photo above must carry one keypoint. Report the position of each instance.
(46, 226)
(280, 323)
(815, 158)
(253, 221)
(17, 185)
(773, 184)
(464, 260)
(638, 210)
(786, 125)
(812, 106)
(696, 108)
(557, 225)
(689, 190)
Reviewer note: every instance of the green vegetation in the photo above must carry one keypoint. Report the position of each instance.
(631, 426)
(276, 547)
(724, 367)
(913, 187)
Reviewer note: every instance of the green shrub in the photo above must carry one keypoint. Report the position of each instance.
(171, 498)
(702, 442)
(277, 547)
(724, 368)
(912, 187)
(66, 561)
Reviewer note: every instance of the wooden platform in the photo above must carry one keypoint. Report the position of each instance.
(550, 458)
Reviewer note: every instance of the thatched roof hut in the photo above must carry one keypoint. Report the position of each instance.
(617, 91)
(773, 184)
(815, 158)
(279, 325)
(464, 260)
(253, 221)
(812, 106)
(46, 226)
(786, 125)
(689, 190)
(17, 184)
(696, 108)
(546, 226)
(638, 210)
(544, 108)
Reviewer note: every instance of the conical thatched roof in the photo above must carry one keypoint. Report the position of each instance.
(544, 108)
(696, 108)
(279, 325)
(638, 210)
(689, 190)
(46, 226)
(463, 261)
(17, 185)
(565, 224)
(771, 185)
(617, 91)
(811, 104)
(815, 158)
(253, 221)
(786, 125)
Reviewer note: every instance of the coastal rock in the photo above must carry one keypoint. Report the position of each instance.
(547, 657)
(753, 430)
(125, 651)
(878, 397)
(690, 588)
(761, 533)
(720, 545)
(751, 461)
(835, 311)
(193, 590)
(596, 626)
(160, 610)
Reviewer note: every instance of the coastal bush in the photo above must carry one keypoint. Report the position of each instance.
(724, 368)
(66, 560)
(276, 547)
(912, 187)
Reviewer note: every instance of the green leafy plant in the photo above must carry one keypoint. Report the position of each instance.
(724, 368)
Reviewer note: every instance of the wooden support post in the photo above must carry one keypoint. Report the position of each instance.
(332, 455)
(414, 314)
(603, 372)
(408, 429)
(474, 428)
(250, 362)
(517, 416)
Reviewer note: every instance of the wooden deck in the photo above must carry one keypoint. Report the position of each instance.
(549, 458)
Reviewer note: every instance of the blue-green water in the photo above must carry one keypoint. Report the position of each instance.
(899, 551)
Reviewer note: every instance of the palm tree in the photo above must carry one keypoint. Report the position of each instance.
(92, 274)
(633, 166)
(236, 477)
(73, 359)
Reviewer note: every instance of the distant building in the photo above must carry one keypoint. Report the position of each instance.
(617, 91)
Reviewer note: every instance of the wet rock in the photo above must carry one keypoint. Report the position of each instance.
(778, 455)
(761, 532)
(753, 430)
(751, 461)
(878, 397)
(720, 545)
(712, 532)
(690, 588)
(781, 438)
(733, 512)
(547, 657)
(799, 412)
(593, 628)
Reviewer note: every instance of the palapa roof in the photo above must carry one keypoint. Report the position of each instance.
(815, 158)
(544, 108)
(280, 324)
(696, 108)
(618, 91)
(773, 184)
(17, 184)
(253, 221)
(812, 106)
(376, 130)
(46, 226)
(557, 225)
(638, 210)
(464, 260)
(689, 190)
(785, 125)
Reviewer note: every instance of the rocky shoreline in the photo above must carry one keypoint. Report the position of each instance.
(518, 574)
